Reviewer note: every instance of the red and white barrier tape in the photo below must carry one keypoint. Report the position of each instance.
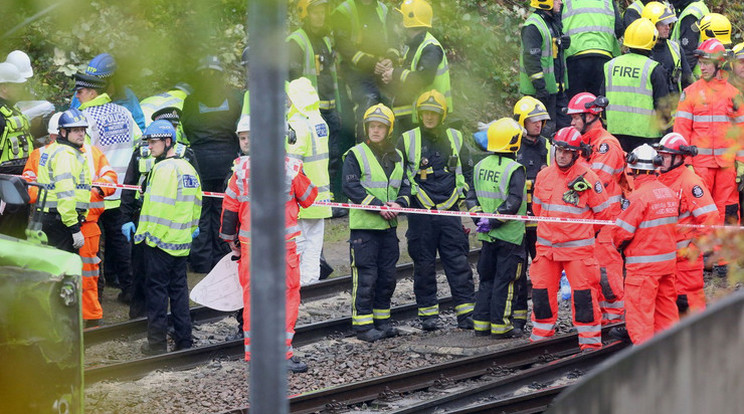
(444, 212)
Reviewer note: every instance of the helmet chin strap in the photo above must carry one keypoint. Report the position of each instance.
(64, 140)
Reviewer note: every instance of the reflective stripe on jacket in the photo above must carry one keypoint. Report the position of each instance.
(377, 185)
(64, 173)
(630, 92)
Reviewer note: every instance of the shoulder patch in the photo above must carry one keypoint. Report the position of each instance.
(685, 41)
(190, 181)
(624, 204)
(697, 191)
(603, 148)
(598, 187)
(321, 130)
(43, 160)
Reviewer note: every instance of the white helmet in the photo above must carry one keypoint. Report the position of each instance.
(21, 60)
(244, 124)
(9, 73)
(644, 158)
(53, 127)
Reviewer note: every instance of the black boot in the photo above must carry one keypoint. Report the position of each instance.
(295, 365)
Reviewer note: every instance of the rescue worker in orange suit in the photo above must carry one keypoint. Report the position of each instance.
(236, 227)
(534, 155)
(696, 207)
(498, 186)
(607, 160)
(374, 175)
(645, 230)
(567, 189)
(711, 114)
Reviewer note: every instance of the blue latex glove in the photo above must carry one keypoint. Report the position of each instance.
(484, 226)
(195, 234)
(128, 229)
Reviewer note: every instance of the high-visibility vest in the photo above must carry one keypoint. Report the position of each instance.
(16, 142)
(311, 148)
(310, 67)
(491, 178)
(171, 208)
(637, 6)
(697, 9)
(629, 90)
(441, 79)
(100, 172)
(591, 26)
(676, 53)
(412, 146)
(378, 185)
(349, 10)
(546, 60)
(64, 173)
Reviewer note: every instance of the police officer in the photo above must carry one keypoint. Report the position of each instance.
(167, 225)
(534, 155)
(140, 165)
(64, 172)
(542, 64)
(499, 187)
(434, 157)
(374, 175)
(636, 87)
(668, 52)
(311, 55)
(171, 98)
(16, 143)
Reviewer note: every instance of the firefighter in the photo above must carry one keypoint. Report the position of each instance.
(645, 231)
(236, 227)
(607, 160)
(424, 65)
(715, 26)
(534, 155)
(567, 189)
(633, 12)
(542, 64)
(374, 175)
(311, 147)
(499, 187)
(696, 207)
(434, 157)
(636, 87)
(311, 55)
(594, 27)
(64, 172)
(711, 114)
(168, 223)
(685, 31)
(668, 52)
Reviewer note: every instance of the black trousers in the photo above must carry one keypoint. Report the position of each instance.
(522, 284)
(374, 254)
(585, 74)
(365, 92)
(58, 235)
(499, 266)
(427, 235)
(208, 249)
(138, 289)
(166, 282)
(117, 255)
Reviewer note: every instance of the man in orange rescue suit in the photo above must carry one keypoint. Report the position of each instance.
(567, 189)
(711, 114)
(696, 207)
(645, 230)
(607, 160)
(236, 226)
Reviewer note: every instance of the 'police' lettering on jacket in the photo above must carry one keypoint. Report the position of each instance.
(626, 71)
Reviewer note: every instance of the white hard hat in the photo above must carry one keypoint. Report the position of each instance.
(644, 158)
(21, 60)
(53, 127)
(244, 124)
(9, 73)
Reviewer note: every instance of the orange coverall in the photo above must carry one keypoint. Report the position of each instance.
(236, 224)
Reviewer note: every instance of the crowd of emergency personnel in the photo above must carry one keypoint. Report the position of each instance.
(627, 116)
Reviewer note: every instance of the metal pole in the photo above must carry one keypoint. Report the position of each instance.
(268, 57)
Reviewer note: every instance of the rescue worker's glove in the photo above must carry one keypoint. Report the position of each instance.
(571, 197)
(487, 224)
(579, 184)
(565, 42)
(195, 234)
(128, 229)
(740, 174)
(78, 240)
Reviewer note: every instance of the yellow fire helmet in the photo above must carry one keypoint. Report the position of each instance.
(432, 101)
(416, 13)
(530, 108)
(380, 113)
(641, 34)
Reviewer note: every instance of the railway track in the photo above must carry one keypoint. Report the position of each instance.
(201, 314)
(532, 368)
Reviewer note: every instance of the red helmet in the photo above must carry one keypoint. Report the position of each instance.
(675, 143)
(712, 49)
(586, 103)
(568, 138)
